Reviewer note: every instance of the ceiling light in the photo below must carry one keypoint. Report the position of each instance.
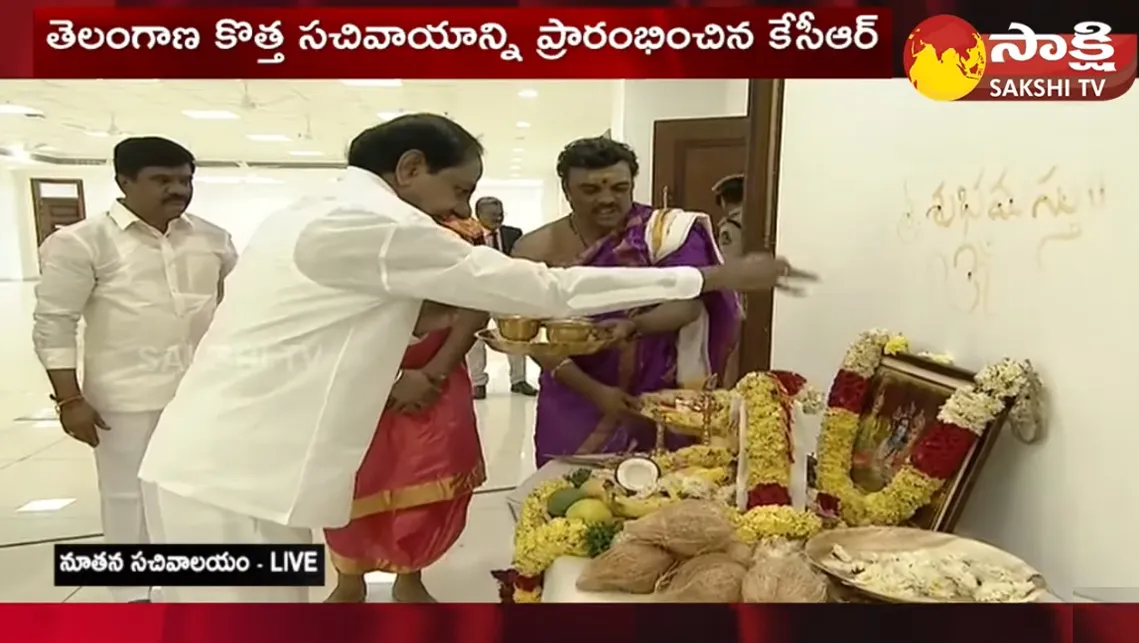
(518, 150)
(387, 116)
(268, 138)
(306, 153)
(514, 176)
(218, 180)
(516, 160)
(210, 114)
(97, 134)
(373, 82)
(528, 93)
(522, 124)
(19, 110)
(47, 504)
(515, 168)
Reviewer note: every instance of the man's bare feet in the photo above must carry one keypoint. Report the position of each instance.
(408, 588)
(349, 589)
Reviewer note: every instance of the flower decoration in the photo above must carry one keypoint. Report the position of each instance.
(937, 456)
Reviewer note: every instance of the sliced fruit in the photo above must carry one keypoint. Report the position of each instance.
(590, 510)
(560, 501)
(637, 474)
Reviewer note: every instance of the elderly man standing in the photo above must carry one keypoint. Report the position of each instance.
(264, 437)
(145, 276)
(501, 237)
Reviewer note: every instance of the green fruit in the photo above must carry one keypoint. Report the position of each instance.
(560, 501)
(590, 510)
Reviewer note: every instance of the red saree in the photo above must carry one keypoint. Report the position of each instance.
(415, 484)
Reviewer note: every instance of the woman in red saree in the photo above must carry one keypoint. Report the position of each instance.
(415, 483)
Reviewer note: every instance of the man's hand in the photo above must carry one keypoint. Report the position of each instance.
(611, 401)
(757, 272)
(413, 392)
(617, 330)
(82, 422)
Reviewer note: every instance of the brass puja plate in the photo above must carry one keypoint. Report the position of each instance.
(690, 412)
(864, 540)
(540, 348)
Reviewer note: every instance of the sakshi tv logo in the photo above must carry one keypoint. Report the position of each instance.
(947, 59)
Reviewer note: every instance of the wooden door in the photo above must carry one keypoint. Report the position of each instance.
(691, 155)
(765, 124)
(56, 203)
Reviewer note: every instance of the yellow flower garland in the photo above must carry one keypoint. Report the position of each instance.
(767, 443)
(774, 521)
(705, 457)
(907, 491)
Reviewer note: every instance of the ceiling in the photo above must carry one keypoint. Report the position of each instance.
(524, 124)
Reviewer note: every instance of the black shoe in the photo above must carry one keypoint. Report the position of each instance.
(523, 388)
(480, 392)
(141, 600)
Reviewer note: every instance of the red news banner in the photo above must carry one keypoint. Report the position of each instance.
(462, 43)
(1090, 64)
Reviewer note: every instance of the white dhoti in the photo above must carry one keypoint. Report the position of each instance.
(117, 459)
(174, 519)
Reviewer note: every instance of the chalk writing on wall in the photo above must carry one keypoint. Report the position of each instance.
(957, 223)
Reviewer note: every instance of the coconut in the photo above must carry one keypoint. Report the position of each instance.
(711, 578)
(637, 474)
(781, 573)
(627, 566)
(686, 528)
(740, 552)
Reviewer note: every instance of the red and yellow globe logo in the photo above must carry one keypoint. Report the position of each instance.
(944, 58)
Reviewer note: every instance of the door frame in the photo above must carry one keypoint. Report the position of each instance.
(760, 210)
(34, 185)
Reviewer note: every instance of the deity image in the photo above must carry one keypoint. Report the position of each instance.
(901, 408)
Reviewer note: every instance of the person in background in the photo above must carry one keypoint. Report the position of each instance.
(267, 431)
(500, 237)
(729, 193)
(145, 276)
(587, 404)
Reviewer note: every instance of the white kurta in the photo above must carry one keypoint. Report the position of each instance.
(146, 298)
(276, 411)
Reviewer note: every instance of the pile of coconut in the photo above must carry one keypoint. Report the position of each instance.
(687, 553)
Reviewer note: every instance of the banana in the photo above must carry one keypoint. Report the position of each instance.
(639, 508)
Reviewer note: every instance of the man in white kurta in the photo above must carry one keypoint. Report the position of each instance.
(263, 439)
(145, 277)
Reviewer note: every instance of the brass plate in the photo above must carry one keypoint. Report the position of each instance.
(540, 349)
(860, 540)
(690, 412)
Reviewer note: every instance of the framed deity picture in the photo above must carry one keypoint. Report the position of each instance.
(905, 395)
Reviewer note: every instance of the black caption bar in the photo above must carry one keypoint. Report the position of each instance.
(189, 565)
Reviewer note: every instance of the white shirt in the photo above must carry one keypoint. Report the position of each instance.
(281, 402)
(146, 299)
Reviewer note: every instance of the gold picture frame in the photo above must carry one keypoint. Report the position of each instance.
(902, 401)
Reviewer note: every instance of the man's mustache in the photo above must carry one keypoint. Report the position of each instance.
(176, 199)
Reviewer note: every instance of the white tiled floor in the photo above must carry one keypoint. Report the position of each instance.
(38, 462)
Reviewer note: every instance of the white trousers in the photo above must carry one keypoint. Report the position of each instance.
(117, 459)
(476, 364)
(177, 520)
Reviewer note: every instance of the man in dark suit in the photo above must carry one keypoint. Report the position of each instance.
(500, 237)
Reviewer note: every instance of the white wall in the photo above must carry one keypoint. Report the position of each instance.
(855, 186)
(236, 200)
(637, 104)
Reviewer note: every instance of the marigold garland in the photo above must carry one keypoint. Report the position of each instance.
(938, 454)
(768, 410)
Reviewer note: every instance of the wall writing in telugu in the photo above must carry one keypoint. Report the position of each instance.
(962, 225)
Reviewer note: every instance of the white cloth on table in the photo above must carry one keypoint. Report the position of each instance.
(175, 520)
(278, 408)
